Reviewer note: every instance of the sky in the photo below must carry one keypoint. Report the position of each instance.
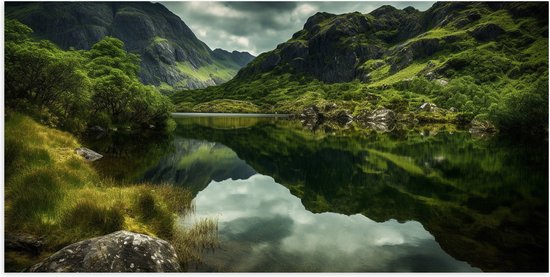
(258, 27)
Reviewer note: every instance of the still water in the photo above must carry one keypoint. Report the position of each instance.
(289, 197)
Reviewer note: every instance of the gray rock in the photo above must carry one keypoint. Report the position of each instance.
(381, 115)
(121, 251)
(427, 107)
(97, 128)
(441, 82)
(88, 154)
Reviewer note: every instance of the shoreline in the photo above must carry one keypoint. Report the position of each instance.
(179, 115)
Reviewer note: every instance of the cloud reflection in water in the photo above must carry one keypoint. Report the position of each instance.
(265, 228)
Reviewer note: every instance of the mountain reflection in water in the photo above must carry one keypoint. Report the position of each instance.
(432, 198)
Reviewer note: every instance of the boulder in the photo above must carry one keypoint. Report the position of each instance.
(380, 120)
(312, 113)
(88, 154)
(120, 251)
(427, 107)
(381, 115)
(482, 127)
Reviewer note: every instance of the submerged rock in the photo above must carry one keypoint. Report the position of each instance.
(88, 154)
(120, 251)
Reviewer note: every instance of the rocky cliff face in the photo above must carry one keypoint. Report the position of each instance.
(171, 54)
(342, 48)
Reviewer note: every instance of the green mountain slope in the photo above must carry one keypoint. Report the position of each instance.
(171, 55)
(473, 57)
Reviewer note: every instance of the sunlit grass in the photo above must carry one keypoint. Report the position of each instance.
(50, 191)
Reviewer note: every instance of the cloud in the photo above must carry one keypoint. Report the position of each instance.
(258, 27)
(263, 217)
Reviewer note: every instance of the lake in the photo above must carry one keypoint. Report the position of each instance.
(292, 197)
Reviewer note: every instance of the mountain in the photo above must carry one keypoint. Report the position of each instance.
(354, 46)
(240, 58)
(171, 55)
(461, 56)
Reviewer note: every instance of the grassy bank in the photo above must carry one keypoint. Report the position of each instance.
(53, 193)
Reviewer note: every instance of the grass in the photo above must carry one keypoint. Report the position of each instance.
(227, 106)
(406, 73)
(50, 191)
(205, 73)
(189, 243)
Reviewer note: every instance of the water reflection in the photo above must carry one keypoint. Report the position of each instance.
(484, 201)
(279, 234)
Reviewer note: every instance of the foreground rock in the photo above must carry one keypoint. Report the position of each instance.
(88, 154)
(121, 251)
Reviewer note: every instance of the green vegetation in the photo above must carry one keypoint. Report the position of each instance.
(52, 192)
(473, 195)
(479, 62)
(214, 71)
(73, 90)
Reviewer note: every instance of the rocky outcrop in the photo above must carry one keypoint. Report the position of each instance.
(482, 128)
(88, 154)
(404, 55)
(121, 251)
(487, 32)
(381, 120)
(149, 29)
(427, 107)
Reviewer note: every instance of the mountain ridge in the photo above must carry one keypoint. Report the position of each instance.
(472, 59)
(171, 54)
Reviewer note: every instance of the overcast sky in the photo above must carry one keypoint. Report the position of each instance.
(258, 27)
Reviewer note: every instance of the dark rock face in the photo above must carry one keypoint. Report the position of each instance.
(343, 48)
(487, 32)
(406, 54)
(160, 37)
(121, 251)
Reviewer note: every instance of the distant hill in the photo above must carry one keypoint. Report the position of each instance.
(171, 54)
(475, 60)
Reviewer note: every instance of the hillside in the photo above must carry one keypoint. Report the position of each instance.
(171, 55)
(475, 58)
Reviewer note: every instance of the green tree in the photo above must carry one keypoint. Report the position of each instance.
(42, 77)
